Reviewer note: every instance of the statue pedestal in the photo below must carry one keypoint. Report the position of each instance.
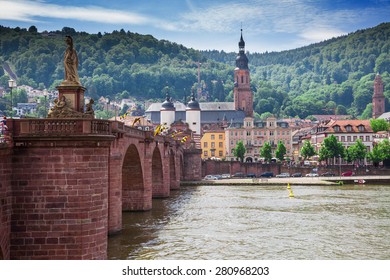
(74, 95)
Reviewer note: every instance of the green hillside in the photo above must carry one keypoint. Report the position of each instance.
(305, 81)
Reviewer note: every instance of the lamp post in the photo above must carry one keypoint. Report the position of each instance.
(11, 85)
(45, 94)
(340, 166)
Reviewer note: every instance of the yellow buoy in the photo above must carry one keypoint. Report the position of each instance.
(288, 186)
(291, 194)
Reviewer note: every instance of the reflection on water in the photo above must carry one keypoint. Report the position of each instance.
(260, 222)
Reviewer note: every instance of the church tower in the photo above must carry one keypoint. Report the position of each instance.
(378, 99)
(243, 97)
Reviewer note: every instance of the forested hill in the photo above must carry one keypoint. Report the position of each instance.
(309, 80)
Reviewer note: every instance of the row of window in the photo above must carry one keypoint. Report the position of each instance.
(255, 142)
(206, 144)
(248, 133)
(220, 137)
(212, 153)
(354, 138)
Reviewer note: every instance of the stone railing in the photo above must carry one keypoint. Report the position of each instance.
(60, 127)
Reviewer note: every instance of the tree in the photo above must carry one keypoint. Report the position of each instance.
(379, 125)
(280, 151)
(356, 152)
(380, 152)
(239, 151)
(307, 150)
(266, 152)
(331, 148)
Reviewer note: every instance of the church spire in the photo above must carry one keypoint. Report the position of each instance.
(241, 59)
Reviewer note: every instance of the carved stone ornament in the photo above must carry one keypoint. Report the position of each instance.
(61, 109)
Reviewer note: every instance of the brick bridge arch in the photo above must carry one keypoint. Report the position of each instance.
(67, 182)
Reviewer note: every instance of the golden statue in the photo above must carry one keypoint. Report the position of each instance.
(71, 63)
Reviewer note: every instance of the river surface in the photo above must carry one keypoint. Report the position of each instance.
(260, 222)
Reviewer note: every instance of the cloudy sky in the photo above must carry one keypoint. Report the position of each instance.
(268, 25)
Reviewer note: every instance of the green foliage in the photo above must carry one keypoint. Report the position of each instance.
(239, 151)
(379, 125)
(336, 74)
(380, 152)
(307, 150)
(280, 151)
(331, 148)
(266, 152)
(357, 151)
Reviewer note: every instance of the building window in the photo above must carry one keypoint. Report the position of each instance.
(212, 144)
(354, 138)
(221, 144)
(205, 153)
(367, 138)
(248, 133)
(361, 138)
(342, 138)
(231, 143)
(361, 128)
(212, 136)
(205, 145)
(348, 128)
(220, 153)
(336, 128)
(271, 133)
(348, 138)
(220, 136)
(213, 153)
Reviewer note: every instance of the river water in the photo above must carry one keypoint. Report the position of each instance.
(260, 222)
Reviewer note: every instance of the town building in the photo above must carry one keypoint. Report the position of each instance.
(213, 144)
(346, 131)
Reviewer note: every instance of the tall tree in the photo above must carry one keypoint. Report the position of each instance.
(266, 152)
(356, 152)
(239, 151)
(379, 125)
(331, 148)
(307, 150)
(280, 151)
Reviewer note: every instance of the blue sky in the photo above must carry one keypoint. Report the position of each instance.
(268, 25)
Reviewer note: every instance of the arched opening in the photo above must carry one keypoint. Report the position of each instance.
(132, 180)
(157, 174)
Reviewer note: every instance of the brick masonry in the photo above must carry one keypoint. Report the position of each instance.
(5, 201)
(62, 195)
(60, 201)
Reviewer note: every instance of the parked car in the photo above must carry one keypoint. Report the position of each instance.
(219, 177)
(239, 175)
(210, 177)
(347, 173)
(296, 175)
(225, 176)
(267, 174)
(251, 175)
(328, 174)
(283, 175)
(312, 175)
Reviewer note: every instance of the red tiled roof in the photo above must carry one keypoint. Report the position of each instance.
(344, 123)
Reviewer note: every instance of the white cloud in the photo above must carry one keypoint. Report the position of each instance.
(30, 11)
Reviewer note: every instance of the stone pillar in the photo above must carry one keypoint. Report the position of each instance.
(74, 95)
(192, 165)
(60, 198)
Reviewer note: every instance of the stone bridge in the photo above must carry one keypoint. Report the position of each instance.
(65, 182)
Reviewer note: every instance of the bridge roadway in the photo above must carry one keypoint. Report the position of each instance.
(326, 181)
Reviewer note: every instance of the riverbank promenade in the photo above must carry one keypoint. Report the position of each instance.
(296, 181)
